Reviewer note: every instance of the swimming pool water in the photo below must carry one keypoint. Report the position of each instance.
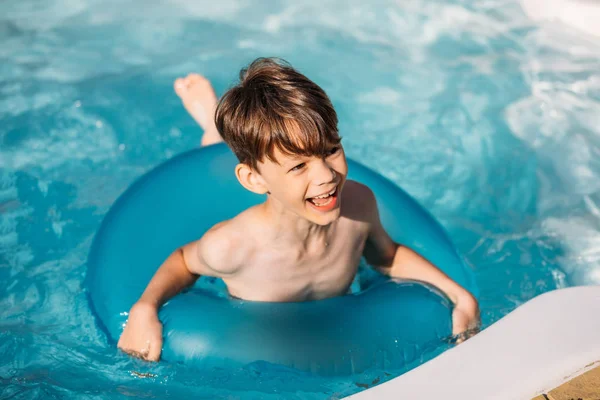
(490, 121)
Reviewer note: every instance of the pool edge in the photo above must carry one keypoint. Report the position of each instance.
(526, 353)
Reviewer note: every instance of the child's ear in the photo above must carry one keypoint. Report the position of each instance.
(250, 179)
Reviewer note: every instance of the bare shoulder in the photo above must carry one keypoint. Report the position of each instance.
(215, 248)
(358, 201)
(227, 246)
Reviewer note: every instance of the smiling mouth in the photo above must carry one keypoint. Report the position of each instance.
(325, 201)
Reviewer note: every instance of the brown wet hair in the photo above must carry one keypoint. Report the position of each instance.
(275, 106)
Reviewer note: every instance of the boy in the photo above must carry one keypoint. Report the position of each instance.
(306, 240)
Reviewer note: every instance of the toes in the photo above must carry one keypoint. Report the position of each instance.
(188, 80)
(197, 80)
(192, 83)
(192, 78)
(180, 86)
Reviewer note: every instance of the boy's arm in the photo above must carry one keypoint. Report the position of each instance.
(142, 336)
(401, 262)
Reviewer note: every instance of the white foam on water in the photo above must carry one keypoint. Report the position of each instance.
(582, 15)
(581, 240)
(559, 120)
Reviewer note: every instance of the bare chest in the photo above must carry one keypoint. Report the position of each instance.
(323, 270)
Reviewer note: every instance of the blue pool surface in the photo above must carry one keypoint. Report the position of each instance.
(490, 121)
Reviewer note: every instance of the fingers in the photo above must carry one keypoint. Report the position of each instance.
(466, 321)
(142, 335)
(149, 352)
(460, 337)
(147, 349)
(459, 323)
(123, 342)
(154, 350)
(457, 328)
(129, 347)
(144, 351)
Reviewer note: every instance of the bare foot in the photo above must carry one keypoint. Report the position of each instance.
(199, 99)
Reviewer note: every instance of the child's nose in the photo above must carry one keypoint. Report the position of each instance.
(324, 173)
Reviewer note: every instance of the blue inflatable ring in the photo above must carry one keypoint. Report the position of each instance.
(387, 325)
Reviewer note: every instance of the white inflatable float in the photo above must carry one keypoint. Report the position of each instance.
(583, 15)
(537, 347)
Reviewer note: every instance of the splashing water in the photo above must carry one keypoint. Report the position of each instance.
(489, 120)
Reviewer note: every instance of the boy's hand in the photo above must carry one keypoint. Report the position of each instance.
(142, 336)
(465, 318)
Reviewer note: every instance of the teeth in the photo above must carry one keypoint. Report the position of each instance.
(324, 204)
(323, 196)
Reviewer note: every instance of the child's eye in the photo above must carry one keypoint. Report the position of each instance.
(333, 151)
(298, 167)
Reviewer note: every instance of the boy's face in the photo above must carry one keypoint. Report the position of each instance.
(310, 187)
